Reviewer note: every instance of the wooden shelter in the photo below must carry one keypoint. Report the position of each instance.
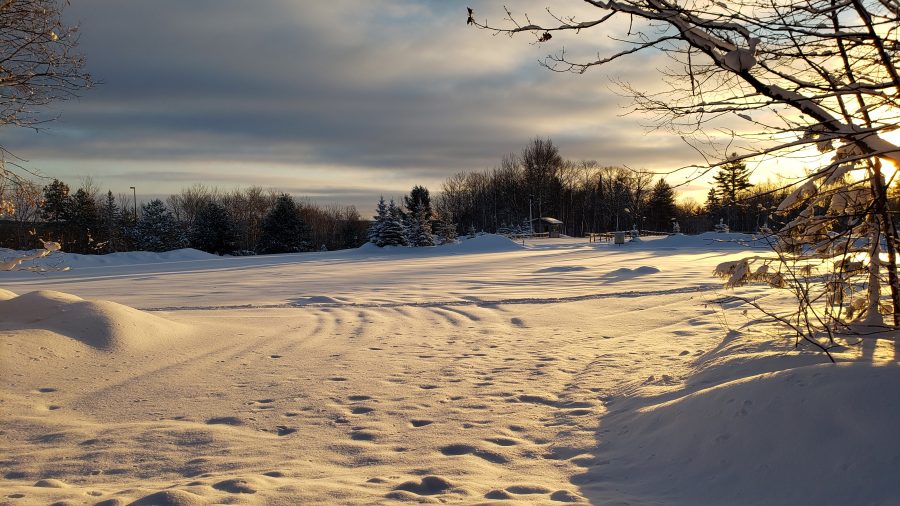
(546, 225)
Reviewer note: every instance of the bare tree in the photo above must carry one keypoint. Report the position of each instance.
(39, 65)
(190, 201)
(25, 199)
(806, 79)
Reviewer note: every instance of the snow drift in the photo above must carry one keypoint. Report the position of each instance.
(99, 324)
(61, 260)
(810, 435)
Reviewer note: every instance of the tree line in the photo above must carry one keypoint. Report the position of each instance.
(586, 196)
(240, 222)
(589, 197)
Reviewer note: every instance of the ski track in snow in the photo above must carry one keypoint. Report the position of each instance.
(448, 303)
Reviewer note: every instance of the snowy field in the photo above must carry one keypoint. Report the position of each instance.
(486, 372)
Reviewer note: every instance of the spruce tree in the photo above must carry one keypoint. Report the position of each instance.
(393, 233)
(283, 229)
(381, 216)
(213, 230)
(109, 218)
(418, 233)
(444, 231)
(157, 229)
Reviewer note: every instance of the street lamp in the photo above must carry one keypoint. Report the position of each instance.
(134, 191)
(530, 217)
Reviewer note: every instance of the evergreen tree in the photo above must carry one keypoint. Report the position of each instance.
(213, 230)
(381, 216)
(713, 204)
(55, 205)
(731, 181)
(444, 231)
(393, 233)
(418, 233)
(661, 205)
(283, 229)
(157, 229)
(418, 200)
(109, 222)
(83, 221)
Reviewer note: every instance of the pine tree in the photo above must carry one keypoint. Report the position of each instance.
(381, 216)
(661, 205)
(730, 182)
(713, 204)
(393, 233)
(283, 229)
(213, 230)
(55, 205)
(157, 229)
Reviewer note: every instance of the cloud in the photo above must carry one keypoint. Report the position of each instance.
(390, 92)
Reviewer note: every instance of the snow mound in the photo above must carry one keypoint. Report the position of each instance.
(129, 258)
(625, 272)
(6, 294)
(796, 436)
(487, 243)
(368, 247)
(100, 324)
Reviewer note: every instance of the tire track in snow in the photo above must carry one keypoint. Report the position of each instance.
(449, 303)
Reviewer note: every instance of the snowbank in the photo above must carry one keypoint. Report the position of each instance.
(61, 260)
(129, 258)
(820, 434)
(486, 243)
(711, 240)
(100, 324)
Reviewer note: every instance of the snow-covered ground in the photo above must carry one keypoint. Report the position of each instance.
(561, 371)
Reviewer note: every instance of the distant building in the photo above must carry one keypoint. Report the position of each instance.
(545, 225)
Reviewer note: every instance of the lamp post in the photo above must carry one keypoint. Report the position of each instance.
(134, 192)
(530, 217)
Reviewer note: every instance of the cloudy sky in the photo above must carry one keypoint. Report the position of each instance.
(337, 100)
